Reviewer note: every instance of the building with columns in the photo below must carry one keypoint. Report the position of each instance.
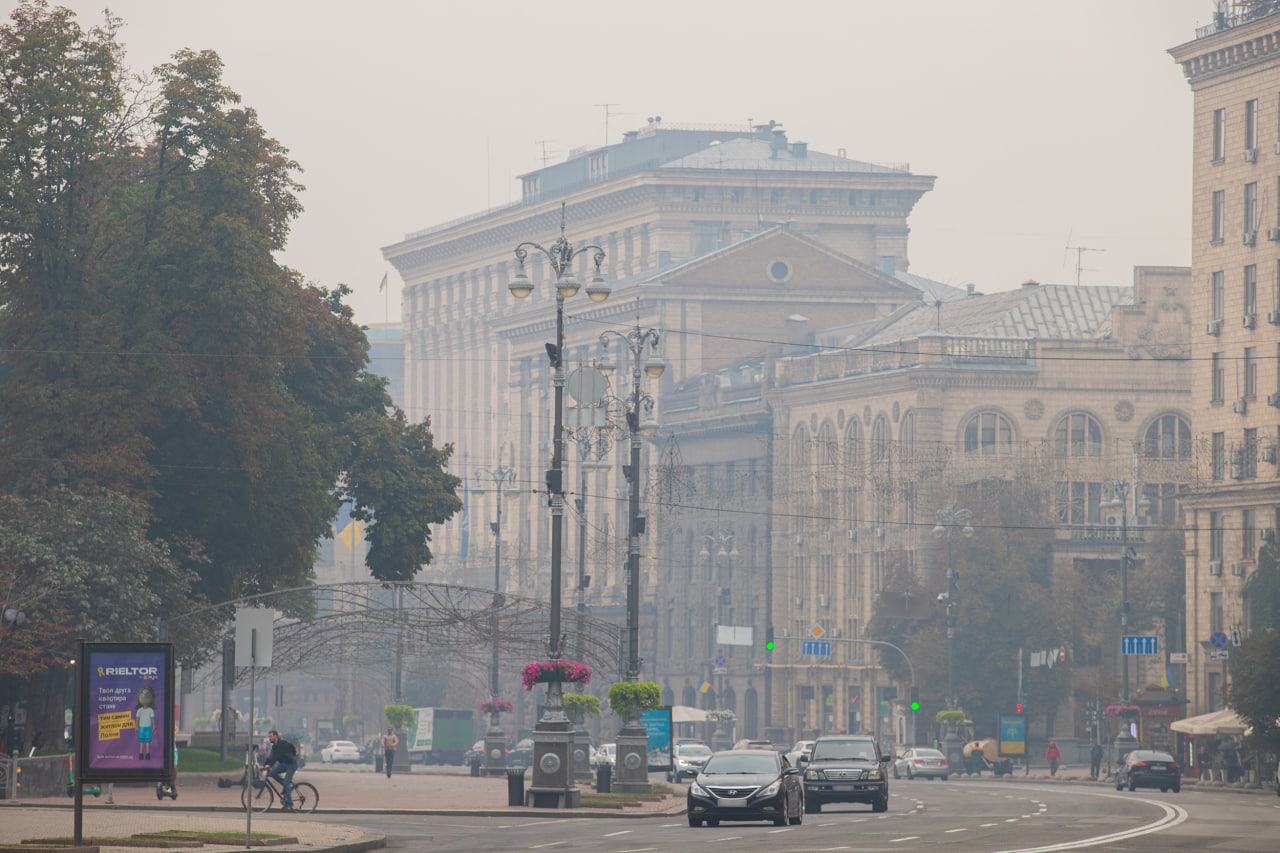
(1233, 68)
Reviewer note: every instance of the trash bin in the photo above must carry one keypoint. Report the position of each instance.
(476, 761)
(604, 779)
(377, 762)
(515, 786)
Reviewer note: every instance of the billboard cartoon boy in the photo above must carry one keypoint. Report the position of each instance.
(145, 714)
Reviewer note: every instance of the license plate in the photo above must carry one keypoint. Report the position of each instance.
(842, 787)
(731, 803)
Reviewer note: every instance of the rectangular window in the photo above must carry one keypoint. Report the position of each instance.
(1250, 453)
(1218, 379)
(1251, 125)
(1248, 534)
(1218, 458)
(1251, 373)
(1251, 208)
(1215, 612)
(1218, 293)
(1250, 290)
(598, 167)
(1215, 535)
(815, 196)
(707, 237)
(1219, 215)
(1219, 134)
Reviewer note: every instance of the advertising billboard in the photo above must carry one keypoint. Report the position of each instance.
(657, 724)
(124, 712)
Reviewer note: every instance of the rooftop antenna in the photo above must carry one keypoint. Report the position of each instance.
(546, 157)
(1079, 250)
(606, 119)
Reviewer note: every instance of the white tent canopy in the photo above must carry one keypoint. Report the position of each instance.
(1224, 722)
(685, 714)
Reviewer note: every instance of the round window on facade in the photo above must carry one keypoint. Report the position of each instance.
(779, 271)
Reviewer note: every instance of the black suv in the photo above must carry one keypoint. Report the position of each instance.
(846, 769)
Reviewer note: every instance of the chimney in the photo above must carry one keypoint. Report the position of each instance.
(800, 150)
(777, 141)
(970, 289)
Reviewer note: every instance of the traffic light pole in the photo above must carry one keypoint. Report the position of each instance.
(911, 720)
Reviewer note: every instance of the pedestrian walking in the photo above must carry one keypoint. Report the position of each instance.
(389, 744)
(1095, 760)
(1053, 756)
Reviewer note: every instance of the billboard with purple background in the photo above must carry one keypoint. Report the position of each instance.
(126, 712)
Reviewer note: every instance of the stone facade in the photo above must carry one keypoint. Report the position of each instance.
(1233, 68)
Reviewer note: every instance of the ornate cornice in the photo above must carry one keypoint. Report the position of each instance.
(1229, 52)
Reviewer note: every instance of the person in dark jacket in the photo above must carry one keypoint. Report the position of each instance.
(283, 761)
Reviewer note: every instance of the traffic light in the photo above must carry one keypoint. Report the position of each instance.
(768, 639)
(915, 699)
(1018, 708)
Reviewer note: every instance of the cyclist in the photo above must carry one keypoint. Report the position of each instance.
(283, 761)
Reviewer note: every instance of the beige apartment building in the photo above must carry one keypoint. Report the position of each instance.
(1233, 67)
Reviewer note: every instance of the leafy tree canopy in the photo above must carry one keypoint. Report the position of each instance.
(158, 368)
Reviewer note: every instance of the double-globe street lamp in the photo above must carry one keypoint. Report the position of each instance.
(949, 519)
(643, 344)
(503, 478)
(1121, 493)
(553, 734)
(716, 544)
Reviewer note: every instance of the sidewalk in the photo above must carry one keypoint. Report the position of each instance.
(135, 809)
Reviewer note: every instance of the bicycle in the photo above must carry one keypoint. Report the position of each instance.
(267, 790)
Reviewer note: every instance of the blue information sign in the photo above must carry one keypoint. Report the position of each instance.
(1140, 644)
(820, 648)
(1013, 735)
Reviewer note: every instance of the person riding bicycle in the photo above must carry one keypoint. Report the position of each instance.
(283, 761)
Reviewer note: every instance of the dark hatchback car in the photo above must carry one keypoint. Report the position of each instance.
(746, 784)
(1148, 768)
(846, 769)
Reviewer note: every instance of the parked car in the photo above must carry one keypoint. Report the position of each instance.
(476, 751)
(521, 755)
(921, 762)
(340, 750)
(746, 784)
(846, 769)
(688, 760)
(608, 754)
(1149, 768)
(799, 752)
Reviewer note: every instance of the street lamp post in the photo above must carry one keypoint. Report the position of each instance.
(633, 741)
(720, 544)
(553, 734)
(948, 519)
(495, 740)
(1121, 493)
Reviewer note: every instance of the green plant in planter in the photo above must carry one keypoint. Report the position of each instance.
(579, 706)
(950, 718)
(629, 698)
(399, 716)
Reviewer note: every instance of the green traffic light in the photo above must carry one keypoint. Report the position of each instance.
(915, 706)
(768, 645)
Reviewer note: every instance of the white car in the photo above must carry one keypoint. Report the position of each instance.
(688, 761)
(608, 754)
(801, 748)
(340, 750)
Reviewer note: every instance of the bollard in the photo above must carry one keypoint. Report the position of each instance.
(604, 779)
(476, 762)
(515, 786)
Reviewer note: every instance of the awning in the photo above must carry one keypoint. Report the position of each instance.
(685, 714)
(1224, 722)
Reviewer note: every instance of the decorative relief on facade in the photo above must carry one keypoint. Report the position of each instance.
(866, 415)
(840, 419)
(813, 422)
(1033, 410)
(1124, 411)
(897, 411)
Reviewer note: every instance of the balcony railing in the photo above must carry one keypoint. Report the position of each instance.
(1251, 12)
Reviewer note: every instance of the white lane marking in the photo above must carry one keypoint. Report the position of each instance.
(786, 829)
(619, 832)
(1173, 815)
(541, 846)
(961, 829)
(729, 838)
(1011, 820)
(985, 825)
(904, 838)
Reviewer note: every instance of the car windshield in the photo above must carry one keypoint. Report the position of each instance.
(693, 750)
(927, 753)
(740, 761)
(844, 750)
(1144, 755)
(343, 744)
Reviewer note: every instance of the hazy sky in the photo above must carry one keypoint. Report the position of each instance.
(1047, 124)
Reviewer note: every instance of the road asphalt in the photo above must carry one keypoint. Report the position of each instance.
(203, 806)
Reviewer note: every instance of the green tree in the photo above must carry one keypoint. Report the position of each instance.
(1262, 591)
(1255, 690)
(153, 347)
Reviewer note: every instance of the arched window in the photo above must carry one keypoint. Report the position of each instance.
(1168, 437)
(800, 451)
(828, 449)
(853, 449)
(907, 434)
(1078, 434)
(989, 434)
(880, 440)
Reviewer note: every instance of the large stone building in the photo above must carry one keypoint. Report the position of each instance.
(1233, 67)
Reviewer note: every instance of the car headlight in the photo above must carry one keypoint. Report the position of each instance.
(771, 789)
(697, 790)
(874, 774)
(813, 774)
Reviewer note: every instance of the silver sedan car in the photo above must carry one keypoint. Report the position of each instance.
(921, 763)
